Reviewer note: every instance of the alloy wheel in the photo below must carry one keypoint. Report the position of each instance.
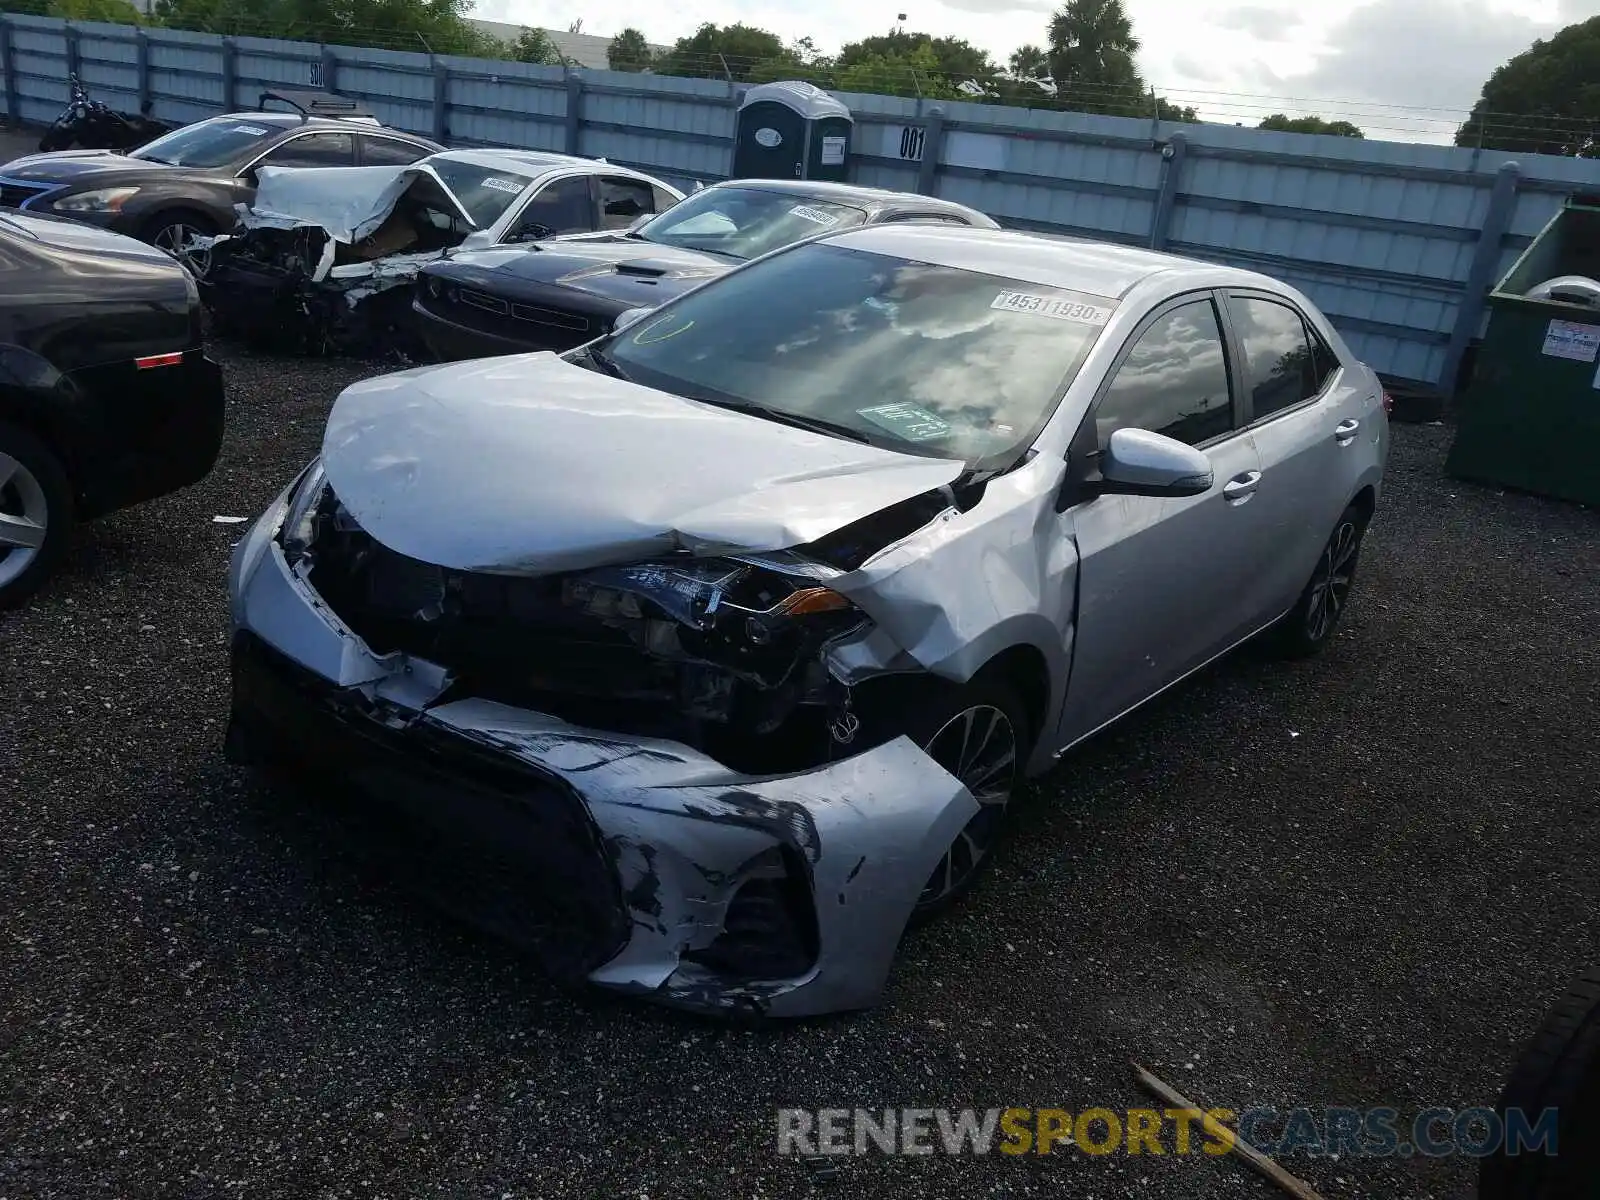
(183, 243)
(1330, 588)
(979, 747)
(24, 518)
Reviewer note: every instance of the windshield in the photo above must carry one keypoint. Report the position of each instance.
(485, 192)
(212, 143)
(902, 354)
(747, 222)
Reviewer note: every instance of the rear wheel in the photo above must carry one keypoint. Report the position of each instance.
(1311, 624)
(35, 514)
(180, 234)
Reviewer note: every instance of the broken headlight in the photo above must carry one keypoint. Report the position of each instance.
(300, 521)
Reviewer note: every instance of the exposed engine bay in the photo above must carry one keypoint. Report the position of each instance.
(726, 655)
(299, 288)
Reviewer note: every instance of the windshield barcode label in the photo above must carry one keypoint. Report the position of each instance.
(1049, 306)
(503, 185)
(815, 215)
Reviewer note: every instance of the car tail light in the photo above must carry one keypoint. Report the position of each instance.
(1388, 402)
(159, 360)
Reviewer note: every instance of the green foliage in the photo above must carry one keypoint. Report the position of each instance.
(629, 51)
(440, 26)
(535, 46)
(1287, 124)
(1092, 48)
(112, 12)
(729, 51)
(1546, 100)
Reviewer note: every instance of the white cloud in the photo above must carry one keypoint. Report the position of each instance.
(1234, 60)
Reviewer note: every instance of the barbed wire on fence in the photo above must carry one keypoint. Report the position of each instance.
(1373, 118)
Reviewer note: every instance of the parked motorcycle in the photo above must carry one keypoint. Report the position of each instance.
(91, 125)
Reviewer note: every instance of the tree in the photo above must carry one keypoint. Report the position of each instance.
(915, 73)
(1030, 62)
(535, 46)
(953, 60)
(1284, 123)
(714, 52)
(1546, 100)
(629, 51)
(441, 26)
(1092, 50)
(113, 12)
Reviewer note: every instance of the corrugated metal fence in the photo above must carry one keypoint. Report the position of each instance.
(1397, 243)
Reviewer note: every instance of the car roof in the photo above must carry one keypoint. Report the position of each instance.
(1098, 268)
(532, 162)
(288, 120)
(844, 193)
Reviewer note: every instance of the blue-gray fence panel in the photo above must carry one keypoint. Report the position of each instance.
(1392, 240)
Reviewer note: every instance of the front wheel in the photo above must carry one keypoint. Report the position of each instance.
(1311, 624)
(35, 514)
(181, 235)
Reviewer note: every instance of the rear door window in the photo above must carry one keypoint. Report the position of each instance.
(1285, 363)
(390, 152)
(623, 201)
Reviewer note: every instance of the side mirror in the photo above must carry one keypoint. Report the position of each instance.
(631, 317)
(1137, 462)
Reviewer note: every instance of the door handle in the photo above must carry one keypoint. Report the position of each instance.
(1242, 487)
(1345, 431)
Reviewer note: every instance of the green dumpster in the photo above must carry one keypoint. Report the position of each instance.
(1530, 419)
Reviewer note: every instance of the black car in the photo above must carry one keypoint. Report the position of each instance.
(185, 185)
(561, 293)
(106, 395)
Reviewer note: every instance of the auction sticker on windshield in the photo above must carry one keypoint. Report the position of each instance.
(815, 215)
(1051, 306)
(252, 130)
(907, 421)
(502, 185)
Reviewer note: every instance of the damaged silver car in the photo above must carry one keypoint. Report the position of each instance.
(323, 259)
(711, 654)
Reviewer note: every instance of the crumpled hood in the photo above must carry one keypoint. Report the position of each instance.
(72, 166)
(527, 464)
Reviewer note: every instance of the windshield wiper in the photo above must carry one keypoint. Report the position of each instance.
(604, 361)
(782, 417)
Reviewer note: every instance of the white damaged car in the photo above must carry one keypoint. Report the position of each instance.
(324, 258)
(710, 654)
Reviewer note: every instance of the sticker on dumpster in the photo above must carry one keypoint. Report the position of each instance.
(1567, 339)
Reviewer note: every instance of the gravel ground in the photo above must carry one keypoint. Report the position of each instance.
(1357, 880)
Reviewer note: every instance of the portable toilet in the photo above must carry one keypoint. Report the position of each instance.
(792, 131)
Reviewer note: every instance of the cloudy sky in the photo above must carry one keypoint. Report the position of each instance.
(1401, 69)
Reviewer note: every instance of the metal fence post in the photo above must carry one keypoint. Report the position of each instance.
(574, 112)
(74, 56)
(330, 69)
(230, 73)
(1485, 260)
(932, 148)
(141, 58)
(8, 67)
(441, 101)
(1167, 198)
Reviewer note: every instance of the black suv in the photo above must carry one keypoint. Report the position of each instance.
(184, 185)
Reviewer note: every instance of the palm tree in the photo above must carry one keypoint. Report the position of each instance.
(1092, 48)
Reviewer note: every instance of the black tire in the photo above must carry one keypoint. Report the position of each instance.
(923, 710)
(1309, 626)
(49, 480)
(1560, 1069)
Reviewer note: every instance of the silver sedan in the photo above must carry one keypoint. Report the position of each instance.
(712, 653)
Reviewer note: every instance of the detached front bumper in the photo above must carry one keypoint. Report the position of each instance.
(636, 865)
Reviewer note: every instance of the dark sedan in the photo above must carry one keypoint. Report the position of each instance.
(558, 294)
(106, 395)
(185, 185)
